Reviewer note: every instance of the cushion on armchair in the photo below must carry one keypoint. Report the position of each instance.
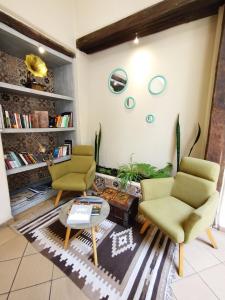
(192, 190)
(169, 214)
(70, 182)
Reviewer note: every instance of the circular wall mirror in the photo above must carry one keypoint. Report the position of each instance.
(150, 118)
(129, 103)
(157, 85)
(118, 81)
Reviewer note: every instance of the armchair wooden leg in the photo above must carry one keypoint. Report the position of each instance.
(84, 193)
(144, 227)
(211, 238)
(58, 197)
(181, 259)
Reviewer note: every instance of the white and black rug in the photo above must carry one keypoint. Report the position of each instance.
(131, 266)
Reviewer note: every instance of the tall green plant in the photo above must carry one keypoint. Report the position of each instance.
(98, 137)
(178, 142)
(196, 139)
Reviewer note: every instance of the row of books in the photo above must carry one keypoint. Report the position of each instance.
(82, 209)
(16, 160)
(64, 120)
(37, 119)
(62, 151)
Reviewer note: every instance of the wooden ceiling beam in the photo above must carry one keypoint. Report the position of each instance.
(33, 34)
(161, 16)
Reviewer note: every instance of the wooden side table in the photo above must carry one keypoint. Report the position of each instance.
(93, 225)
(123, 207)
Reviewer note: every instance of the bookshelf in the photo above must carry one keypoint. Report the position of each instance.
(35, 166)
(12, 88)
(30, 130)
(57, 98)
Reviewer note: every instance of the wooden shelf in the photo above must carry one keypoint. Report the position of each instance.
(26, 91)
(31, 130)
(19, 33)
(35, 166)
(158, 17)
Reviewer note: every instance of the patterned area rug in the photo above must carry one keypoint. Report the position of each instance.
(131, 266)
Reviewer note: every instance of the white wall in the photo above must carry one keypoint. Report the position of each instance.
(55, 18)
(182, 54)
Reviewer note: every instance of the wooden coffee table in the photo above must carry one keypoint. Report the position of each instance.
(94, 222)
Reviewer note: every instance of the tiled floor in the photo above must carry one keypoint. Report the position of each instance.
(26, 274)
(204, 267)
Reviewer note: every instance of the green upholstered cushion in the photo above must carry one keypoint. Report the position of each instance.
(156, 188)
(70, 182)
(200, 168)
(58, 170)
(81, 164)
(192, 190)
(169, 214)
(83, 150)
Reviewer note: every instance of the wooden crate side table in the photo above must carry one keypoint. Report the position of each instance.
(123, 207)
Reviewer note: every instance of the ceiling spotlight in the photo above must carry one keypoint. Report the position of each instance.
(41, 49)
(136, 40)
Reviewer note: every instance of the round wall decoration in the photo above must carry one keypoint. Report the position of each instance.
(157, 85)
(129, 103)
(117, 81)
(150, 118)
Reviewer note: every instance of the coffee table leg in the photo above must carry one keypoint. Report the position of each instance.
(68, 229)
(94, 245)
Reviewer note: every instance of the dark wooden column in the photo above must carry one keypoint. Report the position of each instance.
(215, 150)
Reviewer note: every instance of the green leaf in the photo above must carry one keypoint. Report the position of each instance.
(178, 142)
(196, 139)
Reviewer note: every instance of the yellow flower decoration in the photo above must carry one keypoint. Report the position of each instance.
(36, 65)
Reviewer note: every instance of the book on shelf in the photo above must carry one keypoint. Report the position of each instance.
(37, 119)
(79, 214)
(15, 120)
(61, 151)
(41, 119)
(17, 160)
(64, 120)
(69, 145)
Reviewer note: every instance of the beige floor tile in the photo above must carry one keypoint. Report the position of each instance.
(65, 289)
(7, 272)
(14, 248)
(4, 297)
(192, 288)
(30, 250)
(57, 273)
(6, 234)
(34, 269)
(38, 292)
(199, 258)
(215, 278)
(203, 242)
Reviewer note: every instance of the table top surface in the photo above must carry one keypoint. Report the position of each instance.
(95, 220)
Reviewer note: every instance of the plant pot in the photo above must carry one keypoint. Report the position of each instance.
(102, 181)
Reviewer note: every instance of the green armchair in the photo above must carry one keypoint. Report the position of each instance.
(184, 206)
(76, 174)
